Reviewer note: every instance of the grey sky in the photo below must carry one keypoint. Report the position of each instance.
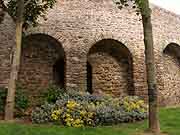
(171, 5)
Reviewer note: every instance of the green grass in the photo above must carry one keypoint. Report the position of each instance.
(170, 123)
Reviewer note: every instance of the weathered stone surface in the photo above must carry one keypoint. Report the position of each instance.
(78, 25)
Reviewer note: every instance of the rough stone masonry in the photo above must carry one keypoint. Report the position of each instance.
(90, 45)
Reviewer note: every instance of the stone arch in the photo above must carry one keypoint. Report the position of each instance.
(109, 68)
(173, 48)
(62, 37)
(42, 63)
(171, 60)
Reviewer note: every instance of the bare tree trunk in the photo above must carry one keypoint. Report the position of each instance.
(10, 101)
(150, 65)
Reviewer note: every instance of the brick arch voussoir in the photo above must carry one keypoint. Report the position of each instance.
(101, 36)
(60, 37)
(170, 41)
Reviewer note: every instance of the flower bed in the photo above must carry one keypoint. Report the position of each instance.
(81, 109)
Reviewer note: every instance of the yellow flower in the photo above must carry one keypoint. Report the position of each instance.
(56, 114)
(140, 102)
(68, 115)
(83, 113)
(54, 117)
(90, 114)
(72, 104)
(78, 123)
(68, 124)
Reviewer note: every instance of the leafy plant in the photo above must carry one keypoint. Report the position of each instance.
(33, 10)
(3, 93)
(21, 100)
(43, 114)
(77, 109)
(52, 93)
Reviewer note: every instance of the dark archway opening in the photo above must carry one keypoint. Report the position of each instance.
(173, 50)
(89, 78)
(58, 73)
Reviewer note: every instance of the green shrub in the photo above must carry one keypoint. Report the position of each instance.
(52, 93)
(43, 114)
(114, 111)
(3, 93)
(81, 109)
(21, 100)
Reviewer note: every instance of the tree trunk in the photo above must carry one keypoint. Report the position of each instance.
(2, 12)
(10, 101)
(150, 66)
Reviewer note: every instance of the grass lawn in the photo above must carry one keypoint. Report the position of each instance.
(170, 124)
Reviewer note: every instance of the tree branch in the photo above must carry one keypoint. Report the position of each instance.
(3, 6)
(27, 3)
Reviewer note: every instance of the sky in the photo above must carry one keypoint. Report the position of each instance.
(171, 5)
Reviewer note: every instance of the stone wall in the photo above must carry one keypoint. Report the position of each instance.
(109, 76)
(79, 31)
(78, 25)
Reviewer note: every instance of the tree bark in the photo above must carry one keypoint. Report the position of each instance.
(10, 101)
(150, 67)
(2, 11)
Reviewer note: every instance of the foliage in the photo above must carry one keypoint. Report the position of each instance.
(114, 111)
(138, 5)
(52, 93)
(43, 114)
(73, 114)
(2, 14)
(21, 100)
(3, 93)
(33, 10)
(82, 109)
(126, 3)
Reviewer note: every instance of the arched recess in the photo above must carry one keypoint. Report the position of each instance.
(109, 69)
(42, 63)
(171, 56)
